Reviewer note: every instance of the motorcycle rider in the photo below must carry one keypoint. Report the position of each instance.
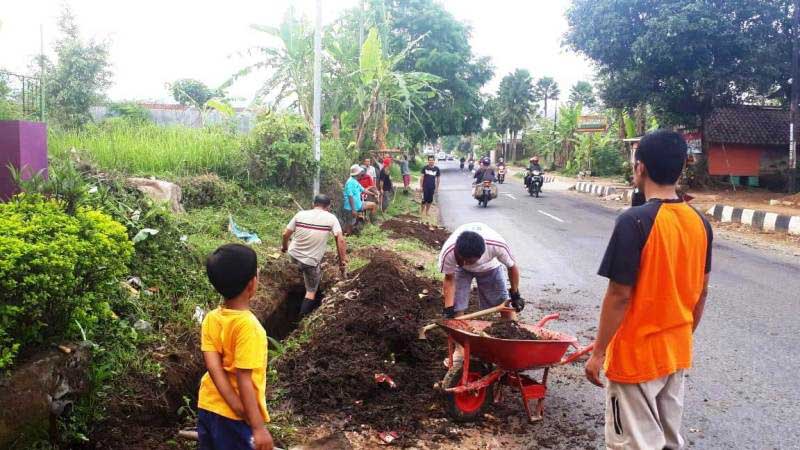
(533, 164)
(501, 169)
(485, 172)
(462, 161)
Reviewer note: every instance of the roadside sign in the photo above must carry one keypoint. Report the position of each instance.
(592, 124)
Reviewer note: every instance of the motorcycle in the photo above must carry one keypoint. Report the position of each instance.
(471, 166)
(535, 183)
(501, 174)
(485, 193)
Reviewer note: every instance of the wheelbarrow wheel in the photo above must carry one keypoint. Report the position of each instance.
(467, 406)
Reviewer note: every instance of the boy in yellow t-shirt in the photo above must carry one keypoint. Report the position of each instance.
(232, 401)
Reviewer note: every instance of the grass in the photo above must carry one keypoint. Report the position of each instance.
(149, 149)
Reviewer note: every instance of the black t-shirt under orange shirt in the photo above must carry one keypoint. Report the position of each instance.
(621, 261)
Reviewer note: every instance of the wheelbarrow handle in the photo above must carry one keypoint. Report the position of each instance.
(546, 319)
(577, 354)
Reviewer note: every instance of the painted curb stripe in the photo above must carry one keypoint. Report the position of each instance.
(769, 221)
(727, 213)
(782, 223)
(794, 225)
(758, 219)
(747, 216)
(736, 217)
(718, 212)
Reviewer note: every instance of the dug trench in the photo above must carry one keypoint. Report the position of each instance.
(355, 372)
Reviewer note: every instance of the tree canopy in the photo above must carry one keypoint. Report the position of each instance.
(446, 53)
(188, 91)
(684, 57)
(80, 76)
(514, 105)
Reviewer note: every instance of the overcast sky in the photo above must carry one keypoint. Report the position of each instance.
(154, 42)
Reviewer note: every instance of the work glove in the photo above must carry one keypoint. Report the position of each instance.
(449, 312)
(517, 302)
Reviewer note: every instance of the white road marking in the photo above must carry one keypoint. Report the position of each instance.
(551, 216)
(512, 197)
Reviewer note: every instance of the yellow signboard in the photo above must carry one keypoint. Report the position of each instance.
(590, 124)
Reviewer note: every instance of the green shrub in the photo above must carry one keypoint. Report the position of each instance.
(209, 190)
(280, 149)
(57, 272)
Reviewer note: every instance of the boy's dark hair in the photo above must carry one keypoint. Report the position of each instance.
(322, 200)
(663, 153)
(431, 158)
(230, 268)
(470, 245)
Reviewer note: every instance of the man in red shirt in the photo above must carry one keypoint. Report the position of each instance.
(371, 194)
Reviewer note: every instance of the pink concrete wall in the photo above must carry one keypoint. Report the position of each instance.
(24, 146)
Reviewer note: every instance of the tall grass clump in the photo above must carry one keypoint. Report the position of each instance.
(148, 149)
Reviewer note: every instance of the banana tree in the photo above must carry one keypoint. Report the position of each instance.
(384, 89)
(289, 63)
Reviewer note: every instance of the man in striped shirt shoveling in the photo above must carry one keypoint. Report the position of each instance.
(311, 229)
(475, 251)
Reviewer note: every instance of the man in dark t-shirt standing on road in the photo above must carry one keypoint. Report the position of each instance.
(658, 262)
(429, 182)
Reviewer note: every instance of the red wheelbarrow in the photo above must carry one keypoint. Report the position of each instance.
(502, 361)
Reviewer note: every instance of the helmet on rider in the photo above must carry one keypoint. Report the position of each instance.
(485, 162)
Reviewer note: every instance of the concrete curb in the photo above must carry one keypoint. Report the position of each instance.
(602, 190)
(759, 220)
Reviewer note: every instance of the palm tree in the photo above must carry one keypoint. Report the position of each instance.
(547, 89)
(512, 108)
(583, 93)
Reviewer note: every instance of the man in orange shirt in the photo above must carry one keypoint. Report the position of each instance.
(657, 262)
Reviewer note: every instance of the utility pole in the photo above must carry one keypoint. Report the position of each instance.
(795, 96)
(361, 27)
(42, 88)
(317, 91)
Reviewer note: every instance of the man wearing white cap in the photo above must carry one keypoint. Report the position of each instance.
(353, 205)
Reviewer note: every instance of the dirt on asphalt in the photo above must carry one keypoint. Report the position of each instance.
(410, 227)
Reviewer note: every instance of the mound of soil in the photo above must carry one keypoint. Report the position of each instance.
(405, 227)
(509, 329)
(368, 327)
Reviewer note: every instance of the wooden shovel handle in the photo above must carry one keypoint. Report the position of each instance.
(475, 315)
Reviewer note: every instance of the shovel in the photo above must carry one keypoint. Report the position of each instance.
(476, 314)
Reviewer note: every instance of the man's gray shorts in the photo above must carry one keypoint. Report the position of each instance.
(492, 288)
(311, 275)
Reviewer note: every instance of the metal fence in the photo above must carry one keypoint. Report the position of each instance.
(24, 93)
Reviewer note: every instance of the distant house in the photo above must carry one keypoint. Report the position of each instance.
(749, 144)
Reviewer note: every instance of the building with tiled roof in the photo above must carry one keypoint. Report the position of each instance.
(749, 144)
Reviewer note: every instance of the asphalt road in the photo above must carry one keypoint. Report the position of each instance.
(744, 389)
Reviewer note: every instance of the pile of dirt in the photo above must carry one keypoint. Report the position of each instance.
(509, 329)
(363, 363)
(407, 227)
